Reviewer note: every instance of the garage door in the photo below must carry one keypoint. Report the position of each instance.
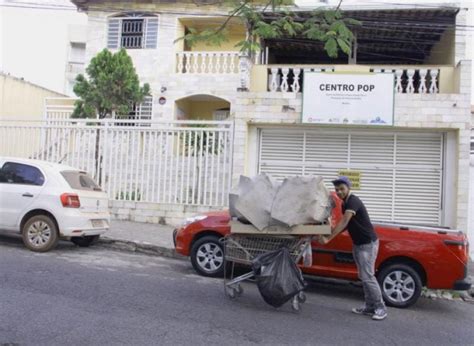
(401, 172)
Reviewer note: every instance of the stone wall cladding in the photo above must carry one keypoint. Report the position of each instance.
(170, 214)
(157, 66)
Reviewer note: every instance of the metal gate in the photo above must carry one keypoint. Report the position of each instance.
(182, 162)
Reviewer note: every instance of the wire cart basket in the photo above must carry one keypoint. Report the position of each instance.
(243, 248)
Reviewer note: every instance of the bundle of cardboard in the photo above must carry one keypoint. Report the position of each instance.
(296, 201)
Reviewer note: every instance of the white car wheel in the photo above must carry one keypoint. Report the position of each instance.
(40, 233)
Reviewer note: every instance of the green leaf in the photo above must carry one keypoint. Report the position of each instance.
(314, 34)
(289, 29)
(351, 21)
(330, 16)
(345, 46)
(331, 48)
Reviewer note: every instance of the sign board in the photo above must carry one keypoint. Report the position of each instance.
(354, 177)
(352, 99)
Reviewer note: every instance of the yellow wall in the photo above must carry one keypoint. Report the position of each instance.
(235, 33)
(442, 52)
(201, 110)
(179, 44)
(20, 100)
(233, 39)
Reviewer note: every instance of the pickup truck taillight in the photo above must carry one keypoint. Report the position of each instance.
(459, 248)
(70, 200)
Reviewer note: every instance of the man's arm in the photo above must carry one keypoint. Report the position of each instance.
(341, 226)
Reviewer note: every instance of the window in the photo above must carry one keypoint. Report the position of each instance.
(142, 111)
(80, 181)
(133, 31)
(221, 114)
(17, 173)
(77, 53)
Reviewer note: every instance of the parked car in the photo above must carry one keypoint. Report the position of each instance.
(46, 201)
(410, 257)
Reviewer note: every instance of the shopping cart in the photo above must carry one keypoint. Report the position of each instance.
(244, 248)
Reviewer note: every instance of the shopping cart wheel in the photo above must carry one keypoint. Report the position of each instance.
(295, 304)
(302, 297)
(231, 292)
(239, 289)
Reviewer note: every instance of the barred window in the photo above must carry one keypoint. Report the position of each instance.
(132, 31)
(142, 111)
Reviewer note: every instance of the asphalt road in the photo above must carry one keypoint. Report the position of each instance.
(96, 296)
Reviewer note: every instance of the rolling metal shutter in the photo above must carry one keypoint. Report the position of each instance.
(401, 172)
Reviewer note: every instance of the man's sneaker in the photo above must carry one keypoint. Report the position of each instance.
(363, 311)
(379, 314)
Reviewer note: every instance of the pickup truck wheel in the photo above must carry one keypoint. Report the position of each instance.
(207, 256)
(40, 233)
(400, 284)
(85, 241)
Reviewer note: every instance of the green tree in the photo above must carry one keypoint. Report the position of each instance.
(112, 87)
(275, 20)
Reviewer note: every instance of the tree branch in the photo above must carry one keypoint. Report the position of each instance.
(266, 6)
(232, 15)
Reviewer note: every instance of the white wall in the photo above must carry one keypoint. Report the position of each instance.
(34, 42)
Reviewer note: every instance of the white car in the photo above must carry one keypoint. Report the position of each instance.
(45, 201)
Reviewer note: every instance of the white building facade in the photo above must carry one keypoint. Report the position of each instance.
(415, 170)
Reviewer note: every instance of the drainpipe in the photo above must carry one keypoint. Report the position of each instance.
(353, 56)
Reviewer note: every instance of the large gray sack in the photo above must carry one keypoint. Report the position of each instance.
(245, 183)
(256, 200)
(301, 200)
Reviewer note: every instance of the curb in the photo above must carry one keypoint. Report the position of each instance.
(136, 247)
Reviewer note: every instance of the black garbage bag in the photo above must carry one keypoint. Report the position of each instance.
(278, 277)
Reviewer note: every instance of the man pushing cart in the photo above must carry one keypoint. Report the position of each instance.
(271, 231)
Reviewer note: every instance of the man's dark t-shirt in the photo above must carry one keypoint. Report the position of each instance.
(360, 228)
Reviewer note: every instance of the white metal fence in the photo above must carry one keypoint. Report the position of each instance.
(181, 162)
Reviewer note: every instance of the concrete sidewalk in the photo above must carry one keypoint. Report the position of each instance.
(153, 239)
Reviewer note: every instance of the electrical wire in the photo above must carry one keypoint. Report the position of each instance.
(367, 24)
(118, 9)
(36, 5)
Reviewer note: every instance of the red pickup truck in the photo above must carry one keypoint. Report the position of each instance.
(409, 258)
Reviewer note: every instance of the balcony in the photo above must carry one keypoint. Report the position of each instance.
(415, 79)
(207, 62)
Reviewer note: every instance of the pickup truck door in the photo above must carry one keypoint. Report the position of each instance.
(334, 259)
